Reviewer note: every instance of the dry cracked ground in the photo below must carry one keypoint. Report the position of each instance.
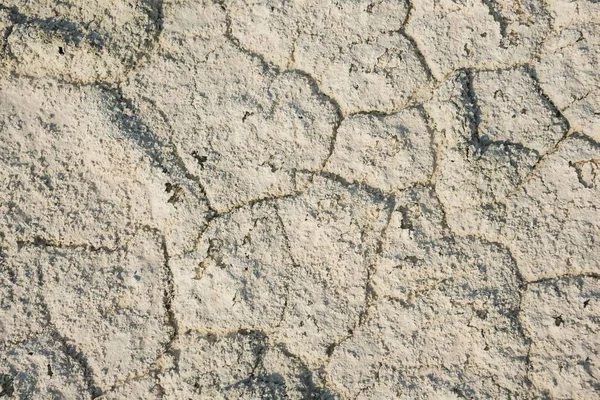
(301, 199)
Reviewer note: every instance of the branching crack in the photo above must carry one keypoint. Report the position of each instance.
(590, 275)
(169, 295)
(80, 358)
(472, 109)
(498, 17)
(47, 243)
(163, 153)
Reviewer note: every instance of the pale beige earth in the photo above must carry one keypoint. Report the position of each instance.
(299, 199)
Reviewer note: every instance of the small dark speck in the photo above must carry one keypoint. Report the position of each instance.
(176, 191)
(50, 373)
(586, 303)
(61, 51)
(558, 321)
(200, 159)
(246, 115)
(458, 393)
(331, 349)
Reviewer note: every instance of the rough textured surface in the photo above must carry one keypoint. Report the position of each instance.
(299, 199)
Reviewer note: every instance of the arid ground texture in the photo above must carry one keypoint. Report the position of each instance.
(299, 199)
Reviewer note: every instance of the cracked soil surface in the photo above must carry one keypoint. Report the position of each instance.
(300, 199)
